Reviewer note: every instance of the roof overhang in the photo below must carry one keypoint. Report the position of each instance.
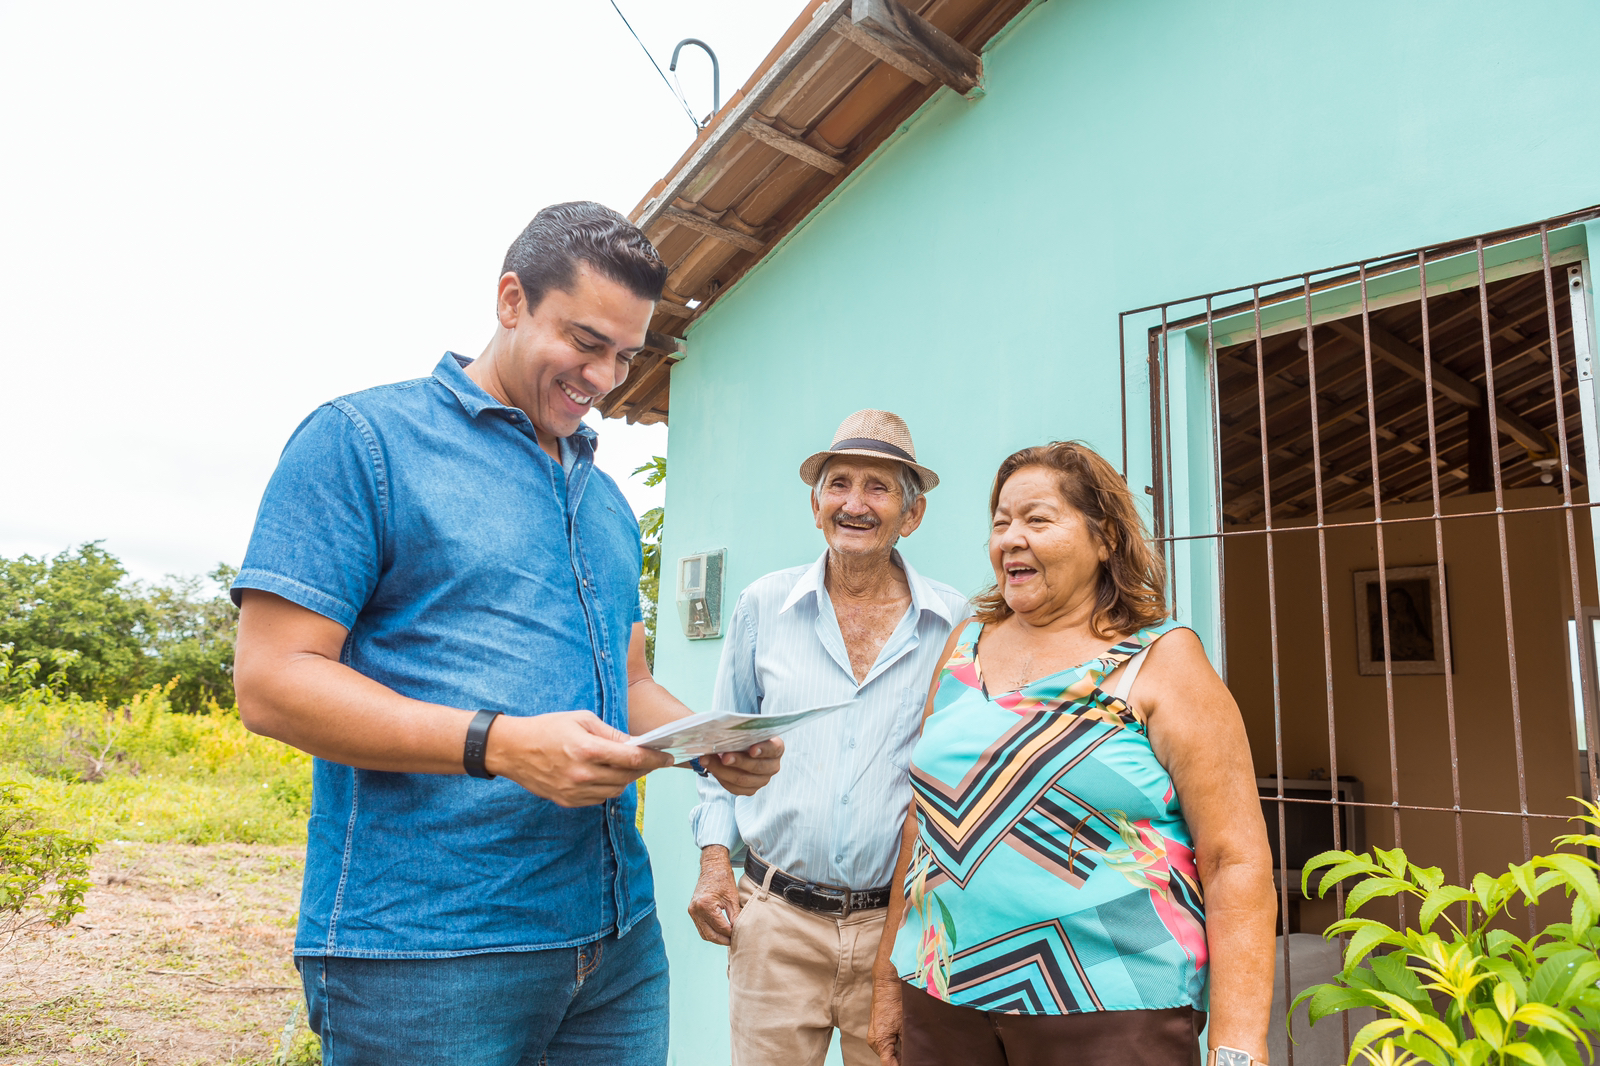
(840, 81)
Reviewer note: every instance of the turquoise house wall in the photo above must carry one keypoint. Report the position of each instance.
(970, 275)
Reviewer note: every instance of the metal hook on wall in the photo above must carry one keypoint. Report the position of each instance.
(716, 72)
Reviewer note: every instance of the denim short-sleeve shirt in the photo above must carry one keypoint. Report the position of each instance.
(472, 571)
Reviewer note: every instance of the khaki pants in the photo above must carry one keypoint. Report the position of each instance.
(794, 976)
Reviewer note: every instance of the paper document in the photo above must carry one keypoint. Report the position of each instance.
(709, 734)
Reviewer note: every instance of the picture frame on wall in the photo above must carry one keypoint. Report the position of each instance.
(1416, 621)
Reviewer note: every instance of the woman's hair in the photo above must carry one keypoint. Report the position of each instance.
(1129, 596)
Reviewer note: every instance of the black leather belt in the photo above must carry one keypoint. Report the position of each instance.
(823, 899)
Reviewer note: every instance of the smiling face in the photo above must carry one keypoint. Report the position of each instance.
(1046, 561)
(860, 507)
(554, 362)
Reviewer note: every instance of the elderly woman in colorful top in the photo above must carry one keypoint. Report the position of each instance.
(1084, 868)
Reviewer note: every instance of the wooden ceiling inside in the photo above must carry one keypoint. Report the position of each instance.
(830, 92)
(1524, 396)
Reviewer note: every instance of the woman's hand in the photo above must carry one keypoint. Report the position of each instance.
(883, 1031)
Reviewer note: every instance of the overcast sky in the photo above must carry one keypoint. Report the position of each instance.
(213, 217)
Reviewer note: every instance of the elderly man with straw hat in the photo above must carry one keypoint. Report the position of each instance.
(803, 923)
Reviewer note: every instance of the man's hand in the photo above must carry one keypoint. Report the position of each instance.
(883, 1031)
(571, 758)
(744, 773)
(715, 904)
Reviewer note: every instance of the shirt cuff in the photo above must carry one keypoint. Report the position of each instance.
(713, 823)
(296, 592)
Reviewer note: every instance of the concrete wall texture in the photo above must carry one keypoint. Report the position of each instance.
(970, 275)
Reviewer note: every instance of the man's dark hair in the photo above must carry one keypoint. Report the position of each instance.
(547, 253)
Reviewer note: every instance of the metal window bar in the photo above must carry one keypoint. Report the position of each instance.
(1438, 558)
(1394, 464)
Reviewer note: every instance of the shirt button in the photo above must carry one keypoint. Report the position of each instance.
(838, 858)
(844, 799)
(852, 742)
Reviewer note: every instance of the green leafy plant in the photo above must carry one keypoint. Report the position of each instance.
(143, 770)
(75, 624)
(44, 873)
(1458, 988)
(650, 525)
(76, 610)
(297, 1045)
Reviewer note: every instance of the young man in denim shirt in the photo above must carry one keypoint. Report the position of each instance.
(440, 602)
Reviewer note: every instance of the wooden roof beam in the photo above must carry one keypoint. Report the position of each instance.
(611, 403)
(662, 350)
(877, 49)
(1399, 354)
(648, 391)
(912, 38)
(792, 146)
(690, 220)
(1329, 382)
(731, 120)
(665, 343)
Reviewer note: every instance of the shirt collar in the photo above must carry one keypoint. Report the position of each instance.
(922, 595)
(474, 399)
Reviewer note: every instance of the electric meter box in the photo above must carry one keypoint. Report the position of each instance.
(700, 594)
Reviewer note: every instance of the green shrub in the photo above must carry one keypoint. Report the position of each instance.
(44, 873)
(1472, 993)
(142, 771)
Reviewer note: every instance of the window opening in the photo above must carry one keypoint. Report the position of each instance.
(1394, 450)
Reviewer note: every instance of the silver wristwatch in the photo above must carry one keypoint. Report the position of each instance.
(1231, 1056)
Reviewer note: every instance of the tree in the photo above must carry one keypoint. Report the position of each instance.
(75, 623)
(78, 617)
(650, 525)
(190, 636)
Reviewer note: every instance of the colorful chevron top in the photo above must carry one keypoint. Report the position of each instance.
(1053, 872)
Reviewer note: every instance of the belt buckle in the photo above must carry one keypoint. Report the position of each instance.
(841, 894)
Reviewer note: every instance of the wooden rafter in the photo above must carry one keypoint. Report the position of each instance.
(821, 102)
(714, 229)
(917, 41)
(792, 146)
(1527, 381)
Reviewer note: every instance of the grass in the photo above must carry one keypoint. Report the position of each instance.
(183, 953)
(142, 772)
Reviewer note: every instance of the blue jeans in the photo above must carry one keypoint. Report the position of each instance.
(602, 1003)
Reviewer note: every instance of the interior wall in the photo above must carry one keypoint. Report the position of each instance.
(1540, 582)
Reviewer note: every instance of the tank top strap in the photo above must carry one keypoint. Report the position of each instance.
(960, 662)
(1136, 643)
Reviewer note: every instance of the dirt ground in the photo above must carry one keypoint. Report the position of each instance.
(182, 957)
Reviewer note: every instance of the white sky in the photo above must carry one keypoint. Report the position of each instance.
(214, 217)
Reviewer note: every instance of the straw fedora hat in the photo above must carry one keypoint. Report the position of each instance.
(872, 435)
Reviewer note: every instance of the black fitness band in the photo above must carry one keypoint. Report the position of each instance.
(477, 742)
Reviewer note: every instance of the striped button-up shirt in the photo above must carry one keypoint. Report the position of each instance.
(833, 812)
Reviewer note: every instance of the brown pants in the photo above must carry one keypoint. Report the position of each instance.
(794, 976)
(936, 1033)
